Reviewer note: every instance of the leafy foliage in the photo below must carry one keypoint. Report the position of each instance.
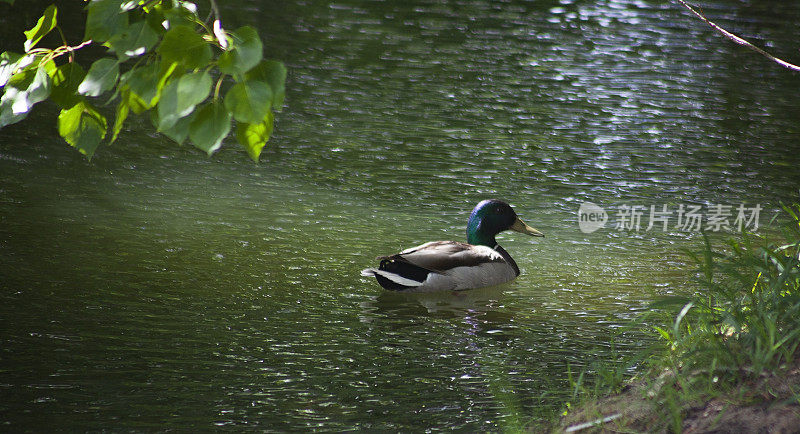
(162, 58)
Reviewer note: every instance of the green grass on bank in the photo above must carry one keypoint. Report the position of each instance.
(741, 329)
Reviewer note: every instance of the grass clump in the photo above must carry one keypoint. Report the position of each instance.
(730, 348)
(746, 318)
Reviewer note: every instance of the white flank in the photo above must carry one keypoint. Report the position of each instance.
(488, 274)
(437, 282)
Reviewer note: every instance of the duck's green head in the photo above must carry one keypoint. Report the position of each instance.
(489, 218)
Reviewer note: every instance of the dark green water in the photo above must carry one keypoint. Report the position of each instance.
(155, 288)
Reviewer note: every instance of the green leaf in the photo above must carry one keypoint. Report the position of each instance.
(180, 131)
(20, 74)
(49, 67)
(101, 77)
(664, 334)
(66, 79)
(183, 45)
(249, 101)
(147, 82)
(46, 23)
(83, 127)
(181, 96)
(245, 53)
(135, 102)
(136, 40)
(177, 14)
(11, 2)
(210, 125)
(104, 18)
(10, 62)
(22, 92)
(123, 108)
(274, 73)
(253, 137)
(24, 77)
(8, 114)
(13, 106)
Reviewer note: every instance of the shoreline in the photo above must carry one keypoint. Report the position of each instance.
(769, 403)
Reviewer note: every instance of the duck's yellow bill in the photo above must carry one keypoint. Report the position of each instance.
(521, 226)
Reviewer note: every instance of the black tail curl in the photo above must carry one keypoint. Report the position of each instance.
(402, 268)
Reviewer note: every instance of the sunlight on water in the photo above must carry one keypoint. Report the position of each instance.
(154, 288)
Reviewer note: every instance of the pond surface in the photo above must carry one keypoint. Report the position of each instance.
(156, 288)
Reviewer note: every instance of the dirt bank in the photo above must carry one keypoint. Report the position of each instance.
(768, 404)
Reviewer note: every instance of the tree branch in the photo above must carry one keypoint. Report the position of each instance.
(739, 40)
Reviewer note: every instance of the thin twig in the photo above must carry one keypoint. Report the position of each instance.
(593, 423)
(219, 33)
(217, 87)
(214, 9)
(739, 40)
(79, 46)
(64, 40)
(60, 51)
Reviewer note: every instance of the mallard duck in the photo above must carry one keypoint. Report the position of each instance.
(456, 266)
